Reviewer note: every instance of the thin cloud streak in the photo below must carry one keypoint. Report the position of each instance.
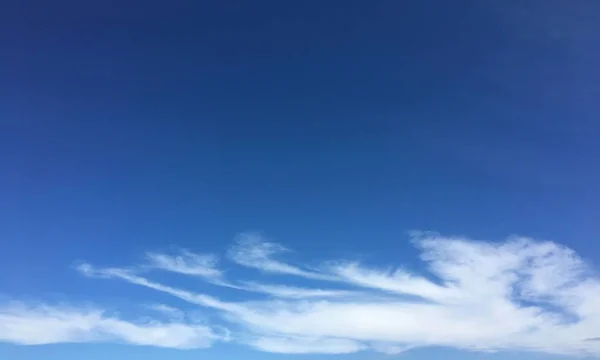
(250, 250)
(186, 262)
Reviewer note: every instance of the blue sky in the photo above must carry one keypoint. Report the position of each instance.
(370, 179)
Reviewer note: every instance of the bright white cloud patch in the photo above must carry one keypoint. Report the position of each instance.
(39, 325)
(518, 295)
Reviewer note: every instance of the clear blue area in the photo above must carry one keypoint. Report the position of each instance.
(332, 126)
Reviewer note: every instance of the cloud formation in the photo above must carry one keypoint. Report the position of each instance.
(47, 325)
(517, 295)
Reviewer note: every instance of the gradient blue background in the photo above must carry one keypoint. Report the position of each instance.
(332, 126)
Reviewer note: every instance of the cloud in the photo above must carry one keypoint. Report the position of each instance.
(306, 345)
(197, 299)
(294, 292)
(187, 263)
(37, 325)
(516, 295)
(169, 311)
(247, 251)
(395, 281)
(252, 251)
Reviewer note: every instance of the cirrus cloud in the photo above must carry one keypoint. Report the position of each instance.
(42, 324)
(516, 295)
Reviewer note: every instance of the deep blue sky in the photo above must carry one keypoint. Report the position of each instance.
(332, 126)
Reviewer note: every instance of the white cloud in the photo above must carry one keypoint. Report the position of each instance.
(294, 292)
(169, 311)
(29, 325)
(252, 251)
(306, 345)
(187, 263)
(396, 281)
(193, 298)
(205, 266)
(517, 295)
(247, 251)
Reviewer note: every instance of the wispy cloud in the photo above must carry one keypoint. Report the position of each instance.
(187, 263)
(252, 251)
(169, 311)
(294, 292)
(517, 295)
(37, 325)
(395, 281)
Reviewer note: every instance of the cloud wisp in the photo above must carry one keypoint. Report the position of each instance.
(517, 295)
(38, 325)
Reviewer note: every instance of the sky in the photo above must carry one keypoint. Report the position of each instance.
(299, 180)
